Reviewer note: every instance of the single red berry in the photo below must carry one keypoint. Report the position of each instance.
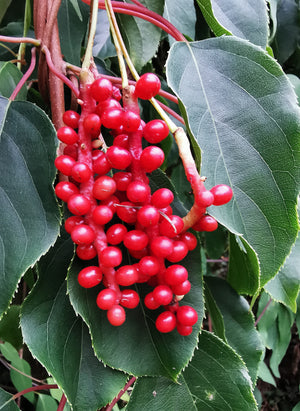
(131, 121)
(119, 157)
(64, 164)
(187, 315)
(64, 190)
(122, 179)
(111, 257)
(102, 214)
(115, 234)
(71, 151)
(111, 202)
(189, 239)
(107, 105)
(127, 212)
(161, 246)
(78, 204)
(150, 302)
(171, 226)
(175, 274)
(138, 254)
(72, 222)
(165, 210)
(101, 89)
(71, 118)
(129, 299)
(101, 165)
(89, 277)
(163, 294)
(138, 192)
(152, 158)
(148, 216)
(162, 197)
(116, 315)
(155, 131)
(184, 330)
(67, 135)
(135, 240)
(165, 322)
(126, 275)
(112, 118)
(81, 172)
(121, 140)
(106, 298)
(222, 194)
(147, 86)
(86, 251)
(182, 289)
(204, 199)
(92, 125)
(83, 234)
(180, 251)
(104, 187)
(206, 223)
(149, 265)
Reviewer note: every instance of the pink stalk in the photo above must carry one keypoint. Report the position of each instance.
(25, 76)
(8, 39)
(117, 398)
(36, 388)
(62, 403)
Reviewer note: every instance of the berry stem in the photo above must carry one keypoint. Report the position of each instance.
(29, 40)
(88, 58)
(22, 47)
(118, 397)
(62, 403)
(25, 76)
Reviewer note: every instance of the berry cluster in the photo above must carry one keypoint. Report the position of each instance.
(107, 192)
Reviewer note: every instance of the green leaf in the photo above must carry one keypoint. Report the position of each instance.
(182, 15)
(29, 221)
(4, 4)
(6, 402)
(243, 271)
(265, 374)
(60, 340)
(10, 327)
(103, 46)
(137, 34)
(216, 379)
(46, 403)
(297, 407)
(215, 314)
(249, 21)
(10, 76)
(296, 84)
(273, 5)
(243, 113)
(239, 324)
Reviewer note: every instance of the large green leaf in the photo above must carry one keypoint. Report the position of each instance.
(29, 221)
(10, 76)
(182, 15)
(60, 340)
(239, 324)
(216, 379)
(242, 110)
(248, 20)
(10, 327)
(137, 34)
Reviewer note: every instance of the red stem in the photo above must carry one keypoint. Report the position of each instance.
(25, 76)
(172, 112)
(36, 388)
(62, 403)
(263, 312)
(117, 398)
(8, 39)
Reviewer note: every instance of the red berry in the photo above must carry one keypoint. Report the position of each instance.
(119, 157)
(184, 330)
(189, 239)
(78, 204)
(163, 294)
(104, 187)
(138, 192)
(138, 254)
(122, 179)
(148, 216)
(129, 299)
(102, 214)
(112, 118)
(89, 277)
(150, 302)
(182, 289)
(121, 140)
(206, 223)
(115, 234)
(110, 257)
(101, 165)
(131, 121)
(161, 246)
(64, 190)
(64, 164)
(155, 131)
(126, 211)
(83, 234)
(204, 199)
(67, 135)
(162, 197)
(111, 202)
(165, 322)
(71, 151)
(187, 315)
(101, 89)
(152, 158)
(222, 194)
(92, 125)
(72, 222)
(71, 118)
(81, 172)
(126, 275)
(149, 266)
(107, 105)
(86, 251)
(116, 315)
(172, 226)
(106, 298)
(180, 251)
(135, 240)
(147, 86)
(175, 274)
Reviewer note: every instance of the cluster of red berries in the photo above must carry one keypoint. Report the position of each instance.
(107, 191)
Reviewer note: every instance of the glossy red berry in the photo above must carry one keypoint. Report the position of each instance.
(127, 212)
(161, 246)
(64, 190)
(150, 302)
(129, 299)
(83, 234)
(165, 322)
(101, 89)
(149, 265)
(147, 86)
(122, 179)
(187, 315)
(155, 131)
(81, 172)
(78, 204)
(175, 274)
(204, 199)
(71, 151)
(206, 223)
(102, 214)
(135, 240)
(131, 121)
(119, 157)
(92, 125)
(101, 165)
(89, 277)
(189, 239)
(152, 158)
(162, 294)
(148, 216)
(112, 118)
(106, 299)
(64, 164)
(180, 251)
(72, 222)
(111, 257)
(67, 135)
(162, 197)
(108, 104)
(184, 330)
(115, 234)
(171, 226)
(182, 289)
(116, 315)
(126, 275)
(138, 192)
(121, 140)
(222, 194)
(104, 187)
(86, 251)
(71, 118)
